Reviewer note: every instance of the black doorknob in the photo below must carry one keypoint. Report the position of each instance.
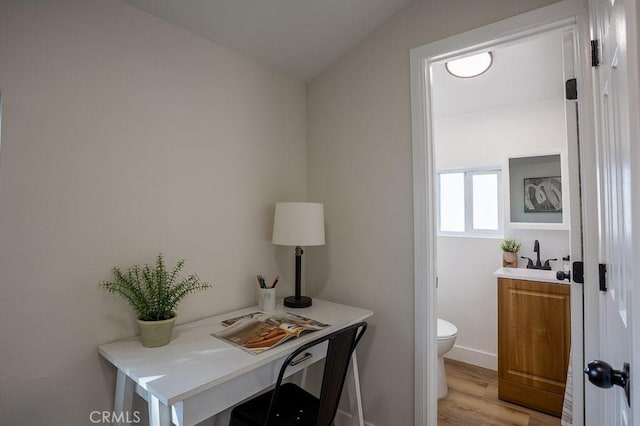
(604, 376)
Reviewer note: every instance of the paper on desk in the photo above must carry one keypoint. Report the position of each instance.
(259, 331)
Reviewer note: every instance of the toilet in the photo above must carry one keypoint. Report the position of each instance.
(447, 334)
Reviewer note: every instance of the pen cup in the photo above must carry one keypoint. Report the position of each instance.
(267, 299)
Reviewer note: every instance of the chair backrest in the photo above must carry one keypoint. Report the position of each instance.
(339, 350)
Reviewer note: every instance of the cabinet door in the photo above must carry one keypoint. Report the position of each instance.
(534, 339)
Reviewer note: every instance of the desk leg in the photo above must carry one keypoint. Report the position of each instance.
(159, 413)
(124, 397)
(303, 380)
(353, 387)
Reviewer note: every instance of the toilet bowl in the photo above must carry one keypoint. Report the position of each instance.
(447, 334)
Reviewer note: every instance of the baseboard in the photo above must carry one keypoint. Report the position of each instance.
(473, 357)
(344, 419)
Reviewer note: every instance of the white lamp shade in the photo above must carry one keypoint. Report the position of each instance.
(298, 224)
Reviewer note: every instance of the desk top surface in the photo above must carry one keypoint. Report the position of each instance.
(194, 360)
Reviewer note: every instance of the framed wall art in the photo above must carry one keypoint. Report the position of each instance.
(543, 194)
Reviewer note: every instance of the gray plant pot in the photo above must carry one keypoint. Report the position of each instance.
(156, 333)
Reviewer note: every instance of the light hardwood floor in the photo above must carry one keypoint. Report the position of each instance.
(473, 400)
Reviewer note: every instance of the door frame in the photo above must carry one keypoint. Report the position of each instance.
(571, 14)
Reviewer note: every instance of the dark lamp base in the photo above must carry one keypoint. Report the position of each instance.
(301, 302)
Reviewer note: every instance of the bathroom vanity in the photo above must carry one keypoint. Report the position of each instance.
(534, 338)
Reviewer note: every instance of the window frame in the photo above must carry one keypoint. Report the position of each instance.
(470, 231)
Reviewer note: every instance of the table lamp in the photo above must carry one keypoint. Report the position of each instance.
(298, 224)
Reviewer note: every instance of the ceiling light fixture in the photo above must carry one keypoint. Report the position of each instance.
(471, 66)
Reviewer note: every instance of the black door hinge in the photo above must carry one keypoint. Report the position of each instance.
(578, 272)
(571, 89)
(595, 53)
(602, 276)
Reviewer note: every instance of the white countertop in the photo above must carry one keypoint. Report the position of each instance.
(530, 275)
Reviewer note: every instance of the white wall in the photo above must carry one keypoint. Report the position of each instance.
(467, 293)
(488, 138)
(124, 136)
(359, 155)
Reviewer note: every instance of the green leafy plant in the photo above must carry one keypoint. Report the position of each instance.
(152, 291)
(510, 245)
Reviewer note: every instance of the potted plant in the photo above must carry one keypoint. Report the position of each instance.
(510, 249)
(154, 294)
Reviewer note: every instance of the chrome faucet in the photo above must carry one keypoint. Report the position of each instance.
(538, 264)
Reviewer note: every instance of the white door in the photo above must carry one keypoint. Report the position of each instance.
(614, 185)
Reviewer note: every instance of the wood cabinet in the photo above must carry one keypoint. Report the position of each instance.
(534, 339)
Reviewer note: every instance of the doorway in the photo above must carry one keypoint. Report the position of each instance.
(504, 124)
(558, 17)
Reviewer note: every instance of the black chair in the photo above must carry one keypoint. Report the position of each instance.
(290, 405)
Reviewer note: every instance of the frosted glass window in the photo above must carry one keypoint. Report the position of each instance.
(452, 215)
(470, 202)
(485, 201)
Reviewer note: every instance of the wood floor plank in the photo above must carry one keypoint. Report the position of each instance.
(460, 384)
(489, 413)
(473, 401)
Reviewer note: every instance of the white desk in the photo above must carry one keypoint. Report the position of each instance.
(197, 376)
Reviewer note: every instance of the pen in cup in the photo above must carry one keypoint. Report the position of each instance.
(261, 282)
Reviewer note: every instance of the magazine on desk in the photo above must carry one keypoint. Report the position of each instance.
(258, 331)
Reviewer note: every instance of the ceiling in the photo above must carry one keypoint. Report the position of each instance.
(525, 72)
(299, 37)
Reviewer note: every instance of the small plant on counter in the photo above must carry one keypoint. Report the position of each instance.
(154, 294)
(510, 245)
